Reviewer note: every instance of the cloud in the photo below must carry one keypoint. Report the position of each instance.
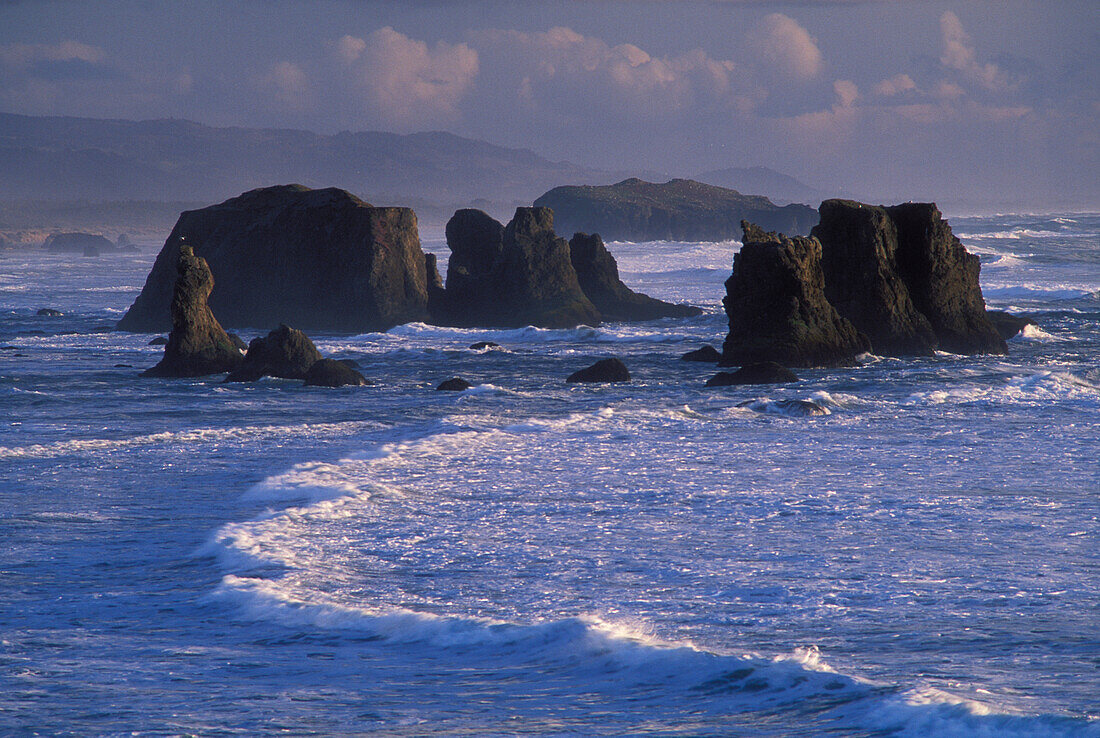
(402, 82)
(959, 54)
(896, 85)
(28, 55)
(787, 48)
(288, 84)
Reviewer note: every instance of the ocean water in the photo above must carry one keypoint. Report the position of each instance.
(919, 557)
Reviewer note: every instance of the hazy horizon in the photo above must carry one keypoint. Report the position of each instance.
(949, 101)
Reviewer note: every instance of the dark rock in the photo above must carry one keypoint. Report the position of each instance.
(604, 370)
(285, 352)
(332, 373)
(598, 275)
(162, 341)
(678, 210)
(943, 280)
(437, 294)
(102, 329)
(528, 279)
(859, 245)
(1008, 325)
(197, 344)
(764, 372)
(50, 312)
(79, 243)
(775, 300)
(480, 345)
(238, 341)
(707, 354)
(785, 407)
(124, 366)
(8, 348)
(350, 362)
(454, 384)
(320, 259)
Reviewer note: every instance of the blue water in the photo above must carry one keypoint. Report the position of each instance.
(187, 557)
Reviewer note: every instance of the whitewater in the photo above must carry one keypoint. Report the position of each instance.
(916, 556)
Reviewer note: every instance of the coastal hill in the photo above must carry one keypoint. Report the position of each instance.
(678, 210)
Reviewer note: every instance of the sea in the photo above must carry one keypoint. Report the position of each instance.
(915, 553)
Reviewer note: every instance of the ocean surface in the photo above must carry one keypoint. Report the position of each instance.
(530, 557)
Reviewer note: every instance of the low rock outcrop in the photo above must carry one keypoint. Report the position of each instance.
(707, 354)
(902, 278)
(318, 259)
(454, 384)
(333, 373)
(284, 352)
(49, 313)
(604, 370)
(88, 244)
(1008, 325)
(598, 274)
(197, 345)
(764, 372)
(775, 300)
(678, 210)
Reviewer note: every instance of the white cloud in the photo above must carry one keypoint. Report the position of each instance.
(404, 83)
(787, 48)
(289, 85)
(846, 92)
(896, 85)
(959, 54)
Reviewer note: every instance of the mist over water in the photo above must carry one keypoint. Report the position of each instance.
(530, 556)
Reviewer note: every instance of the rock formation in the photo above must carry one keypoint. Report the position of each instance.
(678, 210)
(319, 259)
(333, 373)
(902, 278)
(513, 276)
(197, 344)
(1007, 324)
(284, 352)
(604, 370)
(764, 372)
(88, 244)
(775, 300)
(707, 354)
(454, 384)
(598, 275)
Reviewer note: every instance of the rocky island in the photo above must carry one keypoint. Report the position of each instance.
(678, 210)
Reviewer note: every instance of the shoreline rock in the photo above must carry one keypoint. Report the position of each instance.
(604, 370)
(764, 372)
(333, 373)
(285, 352)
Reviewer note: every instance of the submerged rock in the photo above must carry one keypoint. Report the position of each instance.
(333, 373)
(454, 384)
(161, 341)
(49, 313)
(775, 300)
(481, 345)
(764, 372)
(785, 407)
(604, 370)
(197, 345)
(1008, 325)
(598, 274)
(319, 259)
(284, 352)
(707, 354)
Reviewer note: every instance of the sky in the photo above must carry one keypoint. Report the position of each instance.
(986, 102)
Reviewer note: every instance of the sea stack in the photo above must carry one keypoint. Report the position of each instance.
(775, 300)
(317, 259)
(197, 345)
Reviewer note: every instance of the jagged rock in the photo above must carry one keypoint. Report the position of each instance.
(707, 354)
(284, 352)
(333, 373)
(50, 313)
(197, 344)
(775, 300)
(319, 259)
(527, 280)
(764, 372)
(1008, 325)
(604, 370)
(598, 275)
(859, 245)
(678, 210)
(454, 384)
(437, 294)
(943, 280)
(481, 345)
(162, 341)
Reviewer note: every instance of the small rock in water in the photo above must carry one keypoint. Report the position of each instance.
(454, 384)
(50, 313)
(785, 407)
(124, 366)
(285, 352)
(1007, 324)
(350, 362)
(159, 341)
(707, 354)
(332, 373)
(763, 372)
(604, 370)
(481, 345)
